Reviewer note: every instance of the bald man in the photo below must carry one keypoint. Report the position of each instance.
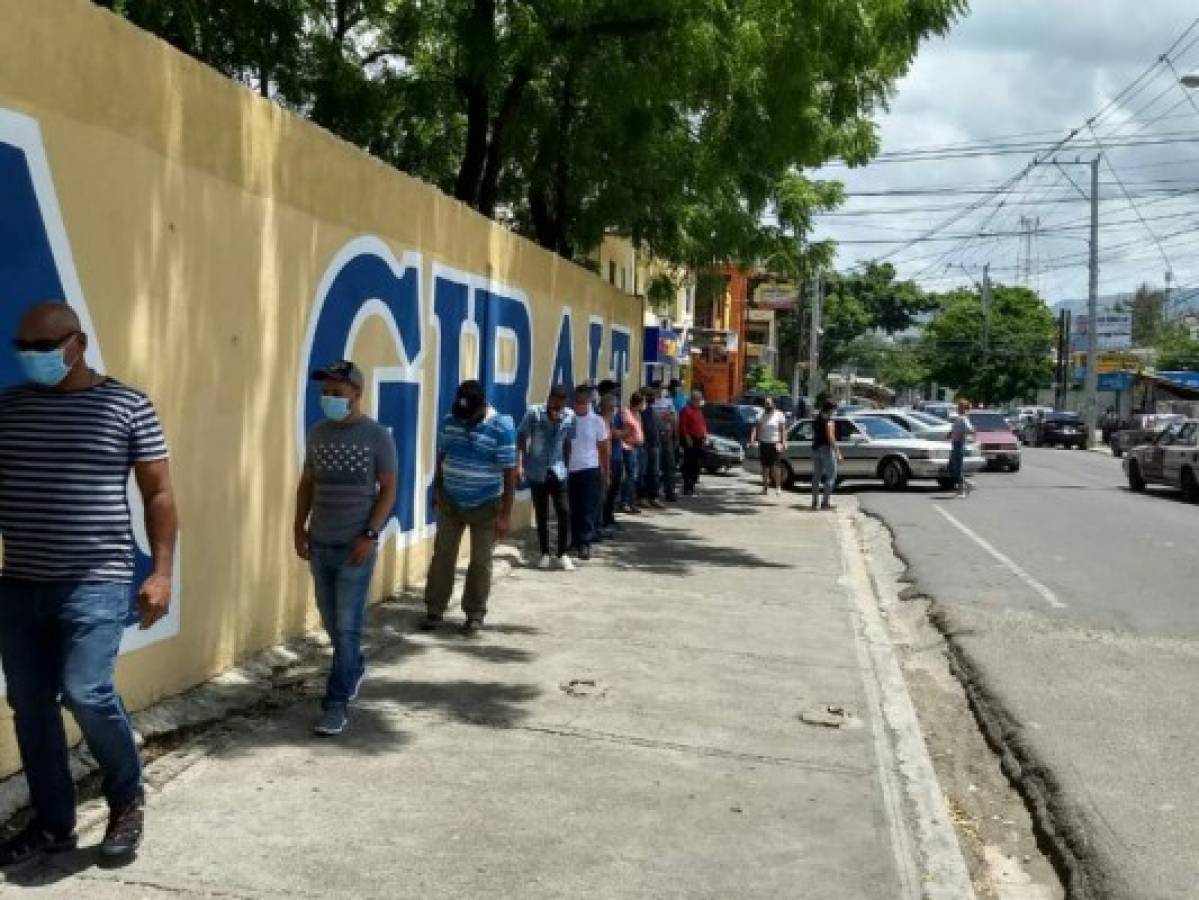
(69, 438)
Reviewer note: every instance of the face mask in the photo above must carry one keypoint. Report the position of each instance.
(45, 367)
(335, 408)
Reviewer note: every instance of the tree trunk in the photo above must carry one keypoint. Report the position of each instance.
(496, 151)
(477, 42)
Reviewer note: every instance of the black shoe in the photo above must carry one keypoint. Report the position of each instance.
(34, 841)
(584, 553)
(430, 622)
(125, 828)
(470, 627)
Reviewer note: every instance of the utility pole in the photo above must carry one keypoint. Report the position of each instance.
(814, 339)
(1092, 391)
(985, 293)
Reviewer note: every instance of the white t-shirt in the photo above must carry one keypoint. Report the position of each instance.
(771, 427)
(590, 432)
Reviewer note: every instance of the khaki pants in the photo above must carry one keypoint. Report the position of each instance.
(452, 521)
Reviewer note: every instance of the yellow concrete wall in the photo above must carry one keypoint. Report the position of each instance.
(201, 221)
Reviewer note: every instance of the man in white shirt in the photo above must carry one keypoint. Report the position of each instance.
(770, 433)
(588, 466)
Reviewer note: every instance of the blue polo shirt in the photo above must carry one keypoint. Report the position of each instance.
(475, 458)
(545, 443)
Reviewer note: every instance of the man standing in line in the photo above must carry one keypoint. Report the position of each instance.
(613, 417)
(346, 494)
(770, 433)
(68, 440)
(542, 444)
(693, 431)
(588, 465)
(668, 441)
(651, 459)
(677, 396)
(959, 432)
(825, 455)
(473, 487)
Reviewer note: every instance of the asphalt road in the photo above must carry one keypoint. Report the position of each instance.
(1072, 603)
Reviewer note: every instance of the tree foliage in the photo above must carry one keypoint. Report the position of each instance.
(759, 378)
(1148, 308)
(679, 122)
(1013, 364)
(1177, 348)
(863, 301)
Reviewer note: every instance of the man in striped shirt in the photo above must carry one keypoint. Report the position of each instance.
(69, 438)
(474, 488)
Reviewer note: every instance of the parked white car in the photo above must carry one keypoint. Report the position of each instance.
(874, 448)
(916, 423)
(1172, 460)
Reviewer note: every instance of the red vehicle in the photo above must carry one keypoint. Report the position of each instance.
(995, 439)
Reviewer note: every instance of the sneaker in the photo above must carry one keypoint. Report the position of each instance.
(333, 722)
(358, 684)
(778, 492)
(430, 622)
(33, 841)
(566, 564)
(470, 627)
(125, 828)
(545, 562)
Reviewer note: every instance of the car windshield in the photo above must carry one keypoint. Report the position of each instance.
(876, 427)
(926, 419)
(749, 413)
(989, 422)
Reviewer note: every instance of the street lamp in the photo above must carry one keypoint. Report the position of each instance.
(1191, 80)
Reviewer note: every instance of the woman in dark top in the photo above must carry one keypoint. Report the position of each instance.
(825, 456)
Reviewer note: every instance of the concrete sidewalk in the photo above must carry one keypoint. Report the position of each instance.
(633, 729)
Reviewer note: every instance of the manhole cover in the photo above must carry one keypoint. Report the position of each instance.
(582, 687)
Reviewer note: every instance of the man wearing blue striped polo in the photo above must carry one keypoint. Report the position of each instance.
(474, 488)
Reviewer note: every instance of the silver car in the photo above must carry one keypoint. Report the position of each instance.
(916, 423)
(874, 448)
(1171, 459)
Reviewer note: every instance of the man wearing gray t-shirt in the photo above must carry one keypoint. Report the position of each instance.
(345, 497)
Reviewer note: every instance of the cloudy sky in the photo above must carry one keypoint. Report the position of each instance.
(1024, 73)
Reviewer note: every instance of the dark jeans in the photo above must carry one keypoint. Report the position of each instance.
(957, 459)
(61, 638)
(341, 593)
(649, 473)
(669, 468)
(543, 493)
(585, 490)
(613, 495)
(631, 480)
(692, 458)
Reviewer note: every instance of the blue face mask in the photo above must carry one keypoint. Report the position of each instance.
(45, 367)
(335, 408)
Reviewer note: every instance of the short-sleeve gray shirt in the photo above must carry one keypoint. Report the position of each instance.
(346, 462)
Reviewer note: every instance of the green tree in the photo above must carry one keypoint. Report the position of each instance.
(678, 122)
(863, 301)
(1177, 348)
(1148, 307)
(758, 378)
(1014, 363)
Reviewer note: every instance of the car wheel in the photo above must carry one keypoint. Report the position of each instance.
(788, 476)
(1135, 481)
(1190, 486)
(894, 474)
(946, 484)
(1014, 467)
(712, 469)
(1117, 452)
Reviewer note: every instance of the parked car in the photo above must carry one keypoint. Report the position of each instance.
(1060, 429)
(784, 403)
(940, 409)
(1172, 459)
(874, 448)
(734, 421)
(721, 454)
(1143, 429)
(996, 442)
(916, 423)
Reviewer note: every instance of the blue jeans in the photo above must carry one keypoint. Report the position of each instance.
(60, 640)
(632, 475)
(650, 461)
(824, 472)
(341, 592)
(586, 498)
(957, 458)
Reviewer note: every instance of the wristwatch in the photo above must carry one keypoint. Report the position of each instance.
(371, 535)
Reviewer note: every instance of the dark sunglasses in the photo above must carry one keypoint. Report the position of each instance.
(43, 346)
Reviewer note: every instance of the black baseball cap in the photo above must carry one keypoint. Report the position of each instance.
(342, 370)
(469, 400)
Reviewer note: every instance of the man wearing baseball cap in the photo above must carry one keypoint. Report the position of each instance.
(345, 498)
(474, 488)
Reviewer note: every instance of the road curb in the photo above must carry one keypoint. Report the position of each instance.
(919, 819)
